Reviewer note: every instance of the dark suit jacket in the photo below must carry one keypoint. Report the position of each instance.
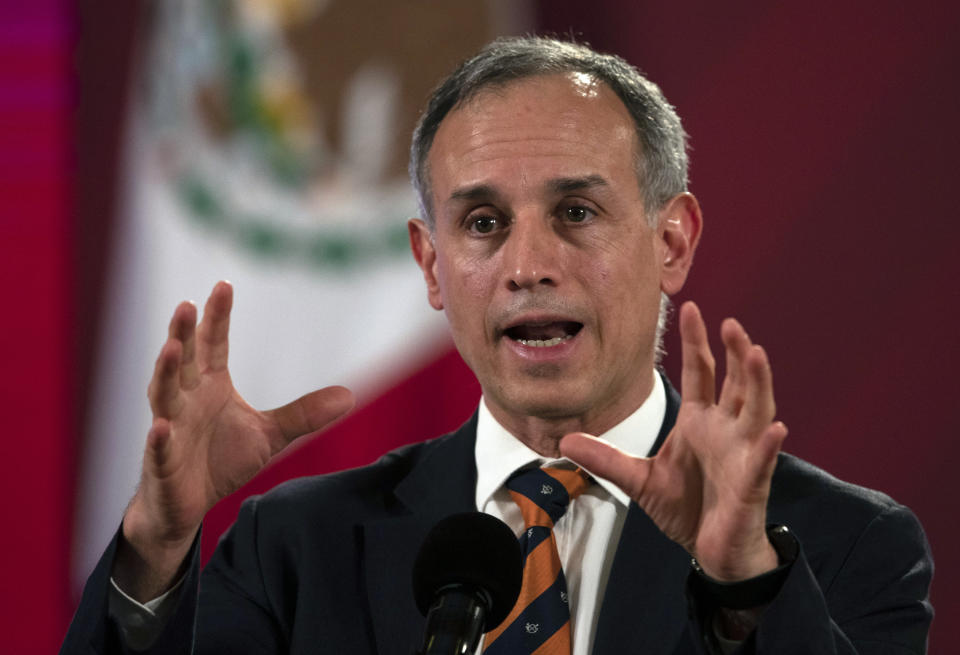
(322, 565)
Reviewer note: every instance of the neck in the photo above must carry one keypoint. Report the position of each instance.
(542, 433)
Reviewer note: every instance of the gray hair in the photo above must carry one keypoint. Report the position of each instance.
(662, 157)
(661, 164)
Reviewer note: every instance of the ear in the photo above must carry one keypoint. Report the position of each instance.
(678, 229)
(424, 251)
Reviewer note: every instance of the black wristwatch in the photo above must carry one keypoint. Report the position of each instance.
(753, 592)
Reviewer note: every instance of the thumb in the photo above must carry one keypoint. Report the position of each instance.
(311, 412)
(606, 461)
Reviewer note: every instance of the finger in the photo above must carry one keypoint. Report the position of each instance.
(214, 330)
(604, 460)
(164, 389)
(759, 407)
(697, 374)
(183, 328)
(734, 387)
(764, 455)
(310, 413)
(159, 449)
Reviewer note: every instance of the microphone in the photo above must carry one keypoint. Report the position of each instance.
(466, 579)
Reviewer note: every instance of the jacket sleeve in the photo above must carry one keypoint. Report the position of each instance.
(224, 610)
(877, 601)
(93, 631)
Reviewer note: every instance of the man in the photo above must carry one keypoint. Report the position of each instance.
(555, 221)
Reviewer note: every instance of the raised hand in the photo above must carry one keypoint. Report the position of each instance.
(707, 487)
(204, 443)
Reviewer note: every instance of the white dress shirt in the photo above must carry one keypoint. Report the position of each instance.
(588, 533)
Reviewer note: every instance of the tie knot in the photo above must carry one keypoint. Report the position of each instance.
(544, 494)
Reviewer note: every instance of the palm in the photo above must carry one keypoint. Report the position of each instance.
(206, 441)
(218, 442)
(708, 485)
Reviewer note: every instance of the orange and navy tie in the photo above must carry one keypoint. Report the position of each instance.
(540, 621)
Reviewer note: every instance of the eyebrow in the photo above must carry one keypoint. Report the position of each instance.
(476, 192)
(568, 184)
(558, 185)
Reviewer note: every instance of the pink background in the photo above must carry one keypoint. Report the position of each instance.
(824, 147)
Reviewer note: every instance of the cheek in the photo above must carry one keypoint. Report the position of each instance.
(465, 285)
(478, 278)
(624, 262)
(628, 286)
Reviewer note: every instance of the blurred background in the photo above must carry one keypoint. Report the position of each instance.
(148, 149)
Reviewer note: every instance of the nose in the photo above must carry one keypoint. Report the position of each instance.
(532, 253)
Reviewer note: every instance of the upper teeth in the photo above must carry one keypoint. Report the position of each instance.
(539, 343)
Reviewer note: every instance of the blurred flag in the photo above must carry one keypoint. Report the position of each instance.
(268, 146)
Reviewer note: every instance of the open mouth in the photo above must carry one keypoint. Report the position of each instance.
(543, 335)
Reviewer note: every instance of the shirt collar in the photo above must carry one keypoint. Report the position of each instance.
(499, 453)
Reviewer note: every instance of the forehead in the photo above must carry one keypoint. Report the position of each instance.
(561, 125)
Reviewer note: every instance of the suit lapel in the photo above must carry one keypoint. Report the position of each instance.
(442, 482)
(644, 606)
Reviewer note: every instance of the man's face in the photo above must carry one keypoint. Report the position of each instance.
(542, 256)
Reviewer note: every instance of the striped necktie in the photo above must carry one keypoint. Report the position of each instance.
(540, 621)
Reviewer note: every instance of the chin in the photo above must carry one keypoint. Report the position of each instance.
(555, 402)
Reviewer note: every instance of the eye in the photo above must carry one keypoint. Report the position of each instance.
(483, 224)
(577, 213)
